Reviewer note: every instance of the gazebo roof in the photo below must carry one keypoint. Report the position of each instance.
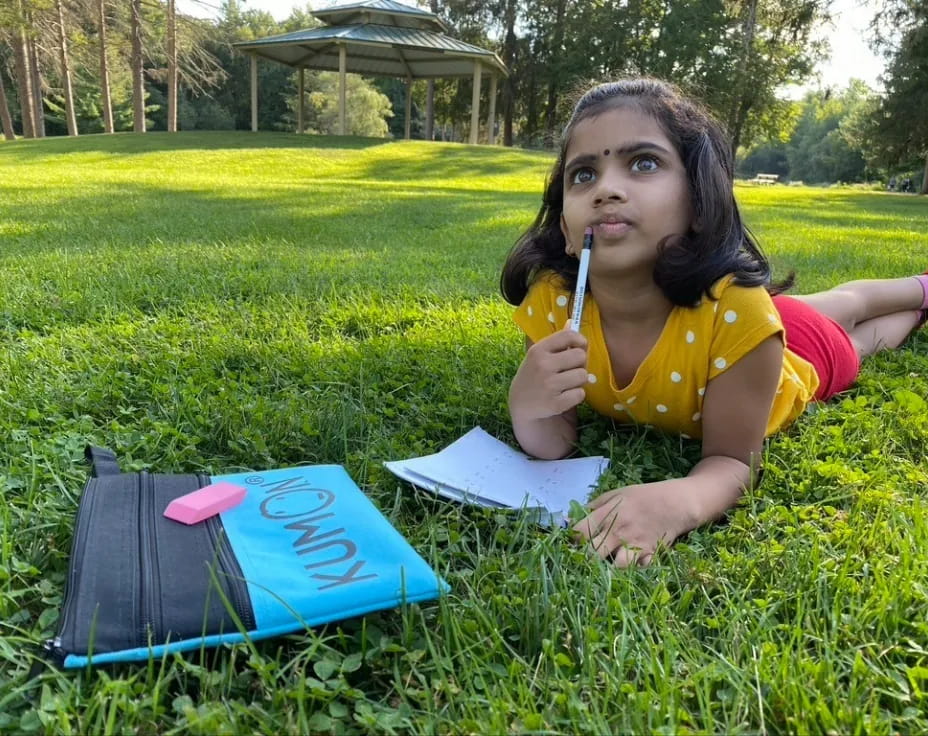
(381, 38)
(381, 12)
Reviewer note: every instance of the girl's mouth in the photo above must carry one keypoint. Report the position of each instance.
(611, 229)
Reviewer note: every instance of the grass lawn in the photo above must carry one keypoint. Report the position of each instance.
(227, 301)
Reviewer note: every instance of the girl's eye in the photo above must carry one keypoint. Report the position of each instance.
(583, 175)
(645, 164)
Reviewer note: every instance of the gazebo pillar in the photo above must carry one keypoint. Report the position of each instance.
(408, 106)
(491, 115)
(342, 71)
(299, 104)
(475, 105)
(254, 93)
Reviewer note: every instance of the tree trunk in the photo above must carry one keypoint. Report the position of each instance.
(172, 68)
(24, 81)
(737, 113)
(925, 177)
(555, 82)
(430, 95)
(38, 107)
(105, 71)
(66, 72)
(509, 56)
(138, 81)
(5, 113)
(531, 110)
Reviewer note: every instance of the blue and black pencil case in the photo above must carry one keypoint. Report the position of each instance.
(305, 547)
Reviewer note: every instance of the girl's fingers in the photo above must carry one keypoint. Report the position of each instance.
(601, 545)
(563, 339)
(567, 400)
(626, 557)
(600, 500)
(566, 380)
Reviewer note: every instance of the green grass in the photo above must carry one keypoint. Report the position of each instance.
(228, 301)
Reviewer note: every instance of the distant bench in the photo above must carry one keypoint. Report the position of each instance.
(765, 179)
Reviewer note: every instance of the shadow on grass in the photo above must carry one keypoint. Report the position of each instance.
(149, 249)
(323, 215)
(454, 160)
(22, 151)
(457, 161)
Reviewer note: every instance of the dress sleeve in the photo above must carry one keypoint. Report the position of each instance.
(544, 309)
(744, 316)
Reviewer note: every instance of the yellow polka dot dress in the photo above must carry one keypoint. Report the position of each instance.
(696, 345)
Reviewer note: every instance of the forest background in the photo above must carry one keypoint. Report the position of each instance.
(95, 66)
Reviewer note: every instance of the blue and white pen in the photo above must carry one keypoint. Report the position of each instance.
(581, 279)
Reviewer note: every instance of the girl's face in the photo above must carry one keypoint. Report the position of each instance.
(624, 178)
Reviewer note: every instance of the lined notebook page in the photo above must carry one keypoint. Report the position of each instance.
(483, 470)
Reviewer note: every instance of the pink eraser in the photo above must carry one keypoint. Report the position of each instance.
(205, 502)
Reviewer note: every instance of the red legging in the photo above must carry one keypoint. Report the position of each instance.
(821, 341)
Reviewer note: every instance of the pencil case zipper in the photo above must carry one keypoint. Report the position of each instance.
(151, 629)
(228, 563)
(53, 646)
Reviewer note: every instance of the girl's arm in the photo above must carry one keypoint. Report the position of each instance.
(627, 524)
(545, 393)
(735, 412)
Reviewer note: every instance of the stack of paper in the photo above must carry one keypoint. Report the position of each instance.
(480, 469)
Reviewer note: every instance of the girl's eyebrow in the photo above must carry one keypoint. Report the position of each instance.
(628, 149)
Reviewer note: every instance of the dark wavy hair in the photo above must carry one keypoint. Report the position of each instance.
(688, 264)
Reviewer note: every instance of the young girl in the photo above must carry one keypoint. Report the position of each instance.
(679, 328)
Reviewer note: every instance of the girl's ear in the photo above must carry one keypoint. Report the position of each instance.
(567, 246)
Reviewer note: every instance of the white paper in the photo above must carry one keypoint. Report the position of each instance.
(479, 469)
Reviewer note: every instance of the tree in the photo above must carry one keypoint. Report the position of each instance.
(66, 70)
(367, 108)
(5, 118)
(172, 67)
(900, 128)
(104, 69)
(38, 108)
(136, 63)
(23, 70)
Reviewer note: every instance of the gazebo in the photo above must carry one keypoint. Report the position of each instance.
(378, 38)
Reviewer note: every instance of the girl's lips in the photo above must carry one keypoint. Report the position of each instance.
(612, 228)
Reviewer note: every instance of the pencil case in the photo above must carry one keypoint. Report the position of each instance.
(304, 547)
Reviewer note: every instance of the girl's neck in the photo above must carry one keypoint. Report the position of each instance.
(628, 302)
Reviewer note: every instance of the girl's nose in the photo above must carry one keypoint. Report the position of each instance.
(611, 187)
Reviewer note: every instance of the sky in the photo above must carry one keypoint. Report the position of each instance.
(851, 57)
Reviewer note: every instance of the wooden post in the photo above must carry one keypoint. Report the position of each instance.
(408, 106)
(475, 105)
(342, 71)
(299, 104)
(254, 93)
(491, 115)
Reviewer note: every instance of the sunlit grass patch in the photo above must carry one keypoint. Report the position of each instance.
(225, 301)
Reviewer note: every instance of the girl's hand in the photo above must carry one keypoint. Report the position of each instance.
(551, 378)
(627, 524)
